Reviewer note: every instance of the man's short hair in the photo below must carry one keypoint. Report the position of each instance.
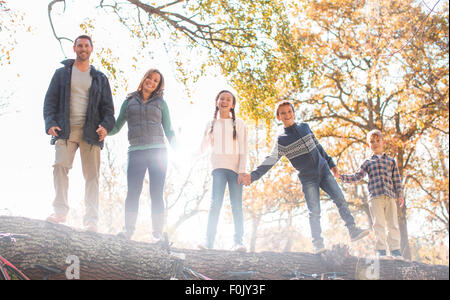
(283, 103)
(373, 132)
(83, 37)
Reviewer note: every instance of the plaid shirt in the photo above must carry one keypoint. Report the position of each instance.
(384, 178)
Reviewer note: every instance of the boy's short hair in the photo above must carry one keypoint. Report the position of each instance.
(373, 132)
(283, 103)
(83, 37)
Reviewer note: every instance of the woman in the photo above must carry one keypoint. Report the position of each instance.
(148, 120)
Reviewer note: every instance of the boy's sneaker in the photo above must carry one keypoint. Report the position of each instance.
(396, 254)
(381, 253)
(357, 233)
(319, 248)
(239, 248)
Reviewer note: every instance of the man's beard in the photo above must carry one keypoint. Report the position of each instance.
(79, 57)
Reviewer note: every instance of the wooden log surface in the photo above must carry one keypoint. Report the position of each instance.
(107, 257)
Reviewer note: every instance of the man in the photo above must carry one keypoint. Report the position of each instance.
(305, 153)
(78, 113)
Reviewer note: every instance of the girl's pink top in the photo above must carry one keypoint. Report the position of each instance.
(226, 152)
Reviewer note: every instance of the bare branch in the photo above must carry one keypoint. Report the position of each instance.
(169, 4)
(414, 34)
(60, 39)
(202, 32)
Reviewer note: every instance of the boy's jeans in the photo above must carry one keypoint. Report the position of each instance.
(326, 182)
(220, 178)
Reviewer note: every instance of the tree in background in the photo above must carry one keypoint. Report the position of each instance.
(187, 196)
(432, 184)
(249, 42)
(113, 189)
(431, 202)
(12, 22)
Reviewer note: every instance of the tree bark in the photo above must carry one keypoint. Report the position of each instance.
(103, 256)
(254, 235)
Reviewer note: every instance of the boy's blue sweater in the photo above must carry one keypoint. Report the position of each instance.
(303, 150)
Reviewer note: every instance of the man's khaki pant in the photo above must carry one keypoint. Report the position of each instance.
(384, 215)
(90, 162)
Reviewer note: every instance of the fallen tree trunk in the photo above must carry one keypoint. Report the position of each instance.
(103, 256)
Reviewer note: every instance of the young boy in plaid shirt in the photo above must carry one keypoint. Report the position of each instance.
(384, 188)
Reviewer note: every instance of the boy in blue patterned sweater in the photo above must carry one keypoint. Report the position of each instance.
(308, 157)
(384, 188)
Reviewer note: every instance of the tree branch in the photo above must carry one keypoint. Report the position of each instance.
(60, 39)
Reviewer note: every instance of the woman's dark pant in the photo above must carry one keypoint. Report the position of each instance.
(220, 179)
(139, 161)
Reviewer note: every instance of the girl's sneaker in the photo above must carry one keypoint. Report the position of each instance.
(239, 248)
(125, 235)
(203, 246)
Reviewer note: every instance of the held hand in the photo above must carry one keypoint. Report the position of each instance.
(241, 178)
(102, 133)
(245, 179)
(52, 130)
(401, 201)
(248, 180)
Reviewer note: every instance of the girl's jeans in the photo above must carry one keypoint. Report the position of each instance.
(220, 179)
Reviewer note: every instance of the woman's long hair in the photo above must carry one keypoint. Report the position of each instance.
(159, 91)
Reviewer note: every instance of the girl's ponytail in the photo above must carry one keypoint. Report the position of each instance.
(214, 119)
(234, 123)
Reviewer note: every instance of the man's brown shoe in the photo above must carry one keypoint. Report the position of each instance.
(56, 219)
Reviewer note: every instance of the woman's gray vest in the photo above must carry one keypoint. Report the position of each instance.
(144, 120)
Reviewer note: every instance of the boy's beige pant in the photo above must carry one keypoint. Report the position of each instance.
(90, 161)
(384, 215)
